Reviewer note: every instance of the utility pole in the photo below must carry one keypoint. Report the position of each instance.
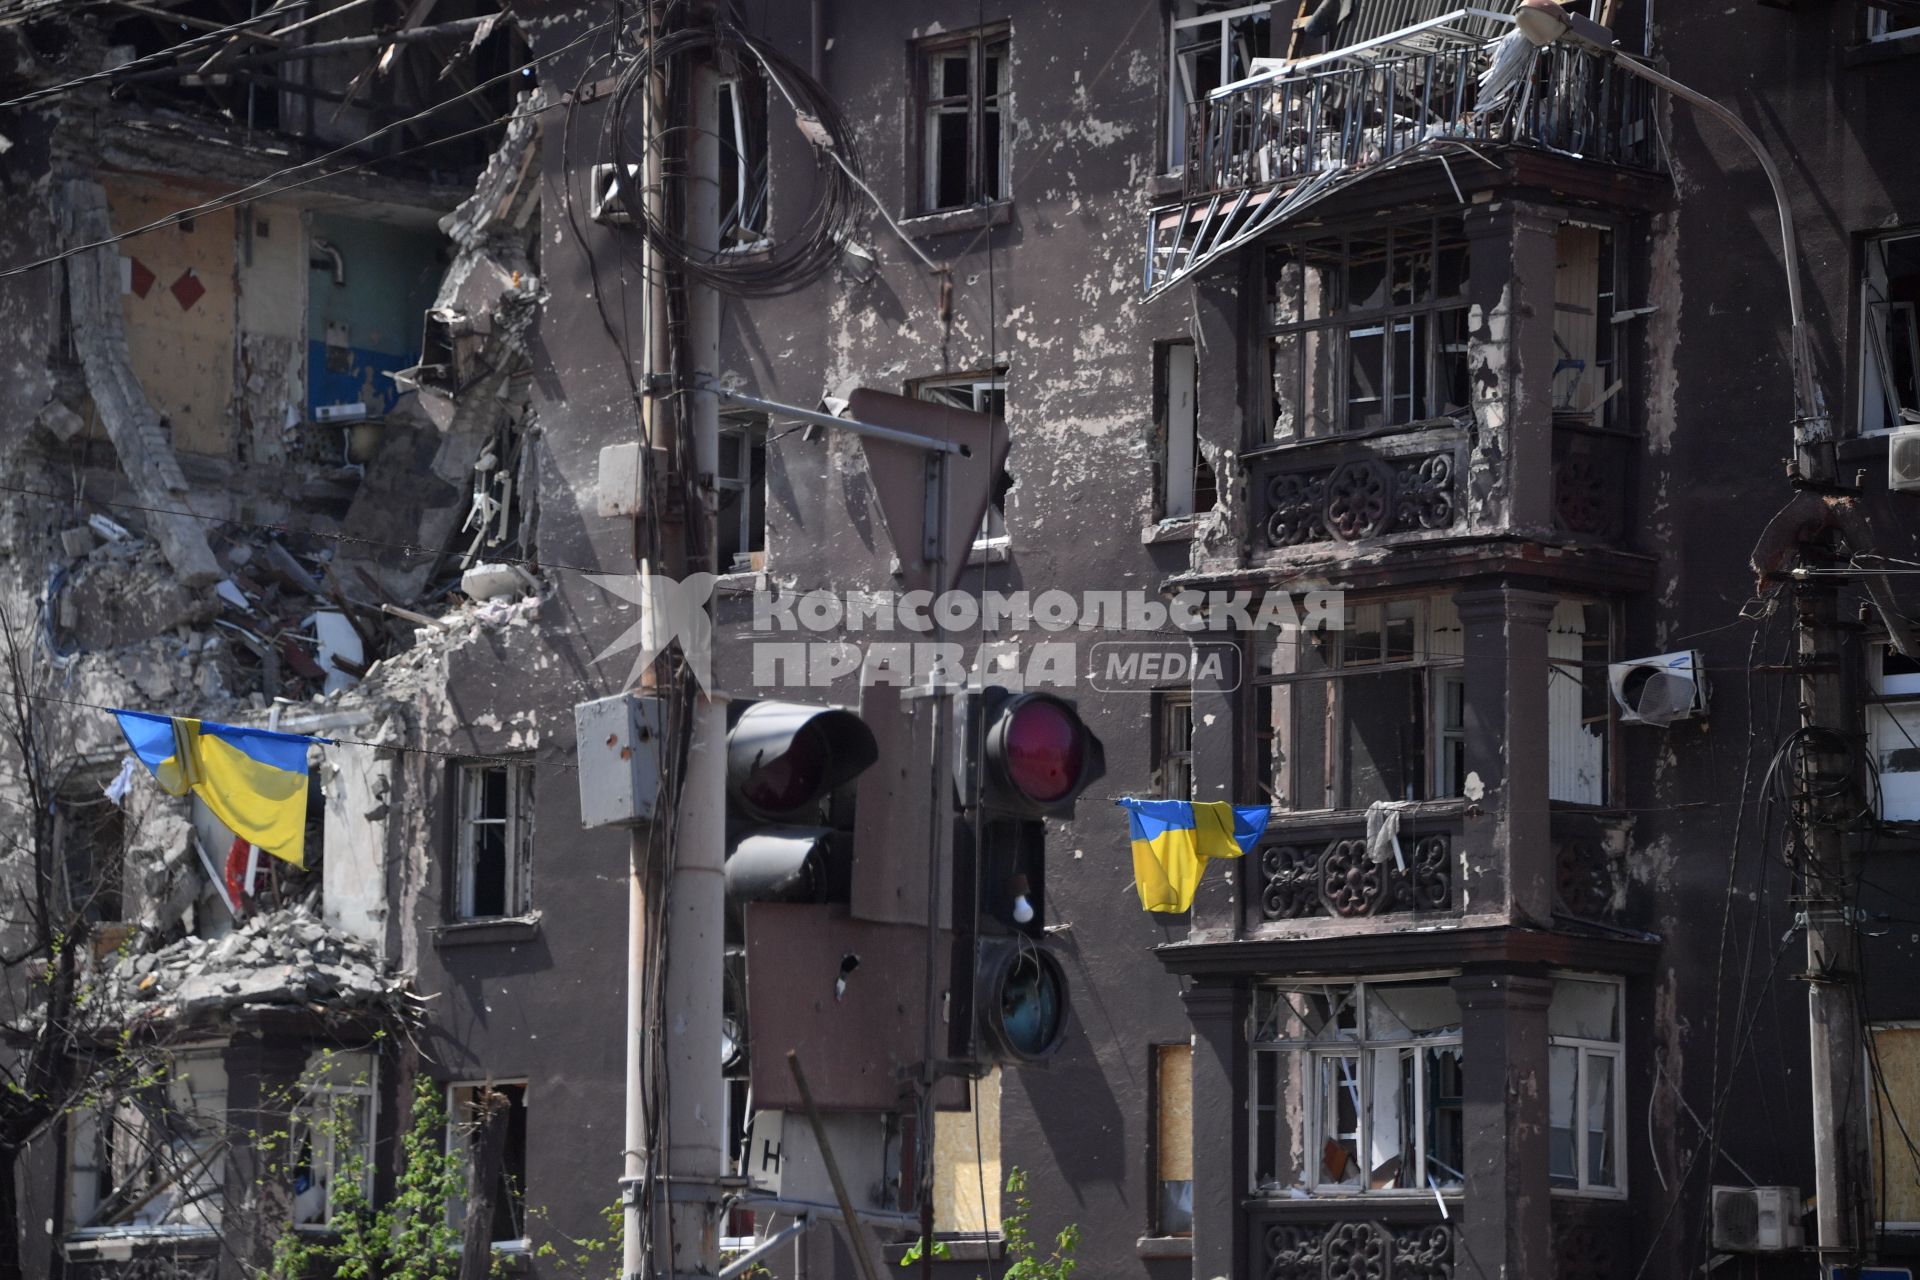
(689, 1153)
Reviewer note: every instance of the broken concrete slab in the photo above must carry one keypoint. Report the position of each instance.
(100, 337)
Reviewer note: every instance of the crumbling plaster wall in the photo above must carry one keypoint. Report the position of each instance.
(178, 291)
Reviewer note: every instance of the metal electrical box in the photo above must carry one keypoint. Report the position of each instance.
(618, 743)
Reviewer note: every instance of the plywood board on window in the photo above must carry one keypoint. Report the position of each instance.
(966, 1162)
(1896, 1104)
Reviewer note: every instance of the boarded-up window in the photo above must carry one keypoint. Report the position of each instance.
(966, 1164)
(1173, 1139)
(1896, 1124)
(1893, 732)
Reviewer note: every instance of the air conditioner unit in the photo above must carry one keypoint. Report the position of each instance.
(1661, 690)
(1903, 459)
(1756, 1219)
(607, 194)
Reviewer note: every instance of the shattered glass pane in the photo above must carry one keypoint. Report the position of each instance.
(1563, 1080)
(1584, 1010)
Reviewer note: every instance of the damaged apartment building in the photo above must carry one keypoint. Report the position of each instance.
(320, 317)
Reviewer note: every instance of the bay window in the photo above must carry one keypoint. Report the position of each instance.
(1357, 1087)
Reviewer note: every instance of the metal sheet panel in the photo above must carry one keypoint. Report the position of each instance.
(850, 996)
(899, 475)
(899, 841)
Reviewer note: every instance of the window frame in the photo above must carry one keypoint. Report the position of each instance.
(1423, 659)
(1869, 383)
(750, 429)
(1587, 1049)
(367, 1094)
(456, 1122)
(992, 535)
(1327, 334)
(1881, 1103)
(929, 107)
(1891, 699)
(1181, 463)
(1880, 28)
(204, 1177)
(1157, 1051)
(751, 167)
(1174, 152)
(517, 891)
(1310, 1055)
(1168, 704)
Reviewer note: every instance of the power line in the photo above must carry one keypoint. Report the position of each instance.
(254, 190)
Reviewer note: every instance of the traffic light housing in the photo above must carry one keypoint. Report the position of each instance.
(1028, 757)
(785, 761)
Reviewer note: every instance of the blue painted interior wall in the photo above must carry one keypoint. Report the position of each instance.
(391, 276)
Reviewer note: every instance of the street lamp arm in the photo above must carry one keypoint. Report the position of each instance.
(1810, 413)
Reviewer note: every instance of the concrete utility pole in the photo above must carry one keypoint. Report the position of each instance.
(690, 1151)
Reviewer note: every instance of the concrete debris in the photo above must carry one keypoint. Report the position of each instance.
(60, 421)
(284, 957)
(126, 592)
(490, 581)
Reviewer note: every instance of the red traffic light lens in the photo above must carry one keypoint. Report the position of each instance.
(1045, 751)
(792, 778)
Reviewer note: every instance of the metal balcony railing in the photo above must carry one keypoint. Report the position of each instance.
(1260, 151)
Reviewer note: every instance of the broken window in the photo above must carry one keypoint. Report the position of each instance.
(510, 1188)
(1368, 713)
(1211, 43)
(1588, 376)
(967, 1177)
(1358, 1087)
(1884, 23)
(1174, 717)
(496, 840)
(977, 393)
(1173, 1139)
(1579, 705)
(741, 517)
(1187, 482)
(743, 162)
(332, 1142)
(90, 833)
(1893, 731)
(1585, 1121)
(1890, 325)
(1893, 1070)
(154, 1156)
(1368, 330)
(962, 86)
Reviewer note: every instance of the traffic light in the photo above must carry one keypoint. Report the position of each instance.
(1028, 757)
(785, 761)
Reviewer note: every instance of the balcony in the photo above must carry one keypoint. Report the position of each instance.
(1359, 1236)
(1344, 490)
(1319, 869)
(1262, 151)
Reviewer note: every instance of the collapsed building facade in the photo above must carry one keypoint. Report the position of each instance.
(1268, 301)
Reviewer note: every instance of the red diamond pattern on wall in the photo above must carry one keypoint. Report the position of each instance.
(187, 290)
(143, 278)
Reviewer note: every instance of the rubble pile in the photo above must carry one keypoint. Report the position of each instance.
(284, 957)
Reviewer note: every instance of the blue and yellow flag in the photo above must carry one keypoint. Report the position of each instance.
(1173, 840)
(253, 780)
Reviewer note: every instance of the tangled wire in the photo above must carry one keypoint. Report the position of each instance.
(799, 255)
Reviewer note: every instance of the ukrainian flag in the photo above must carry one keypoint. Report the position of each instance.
(253, 780)
(1174, 839)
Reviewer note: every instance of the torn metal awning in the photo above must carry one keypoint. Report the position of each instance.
(1261, 153)
(1456, 29)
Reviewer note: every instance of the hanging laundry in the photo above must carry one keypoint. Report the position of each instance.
(1173, 840)
(253, 780)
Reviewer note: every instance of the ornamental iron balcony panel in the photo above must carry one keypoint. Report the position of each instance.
(1325, 872)
(1590, 866)
(1363, 1248)
(1592, 1239)
(1343, 491)
(1261, 152)
(1591, 481)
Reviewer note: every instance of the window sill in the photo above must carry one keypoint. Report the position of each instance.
(1881, 49)
(1176, 529)
(474, 933)
(1592, 1193)
(976, 217)
(990, 551)
(965, 1249)
(1163, 1247)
